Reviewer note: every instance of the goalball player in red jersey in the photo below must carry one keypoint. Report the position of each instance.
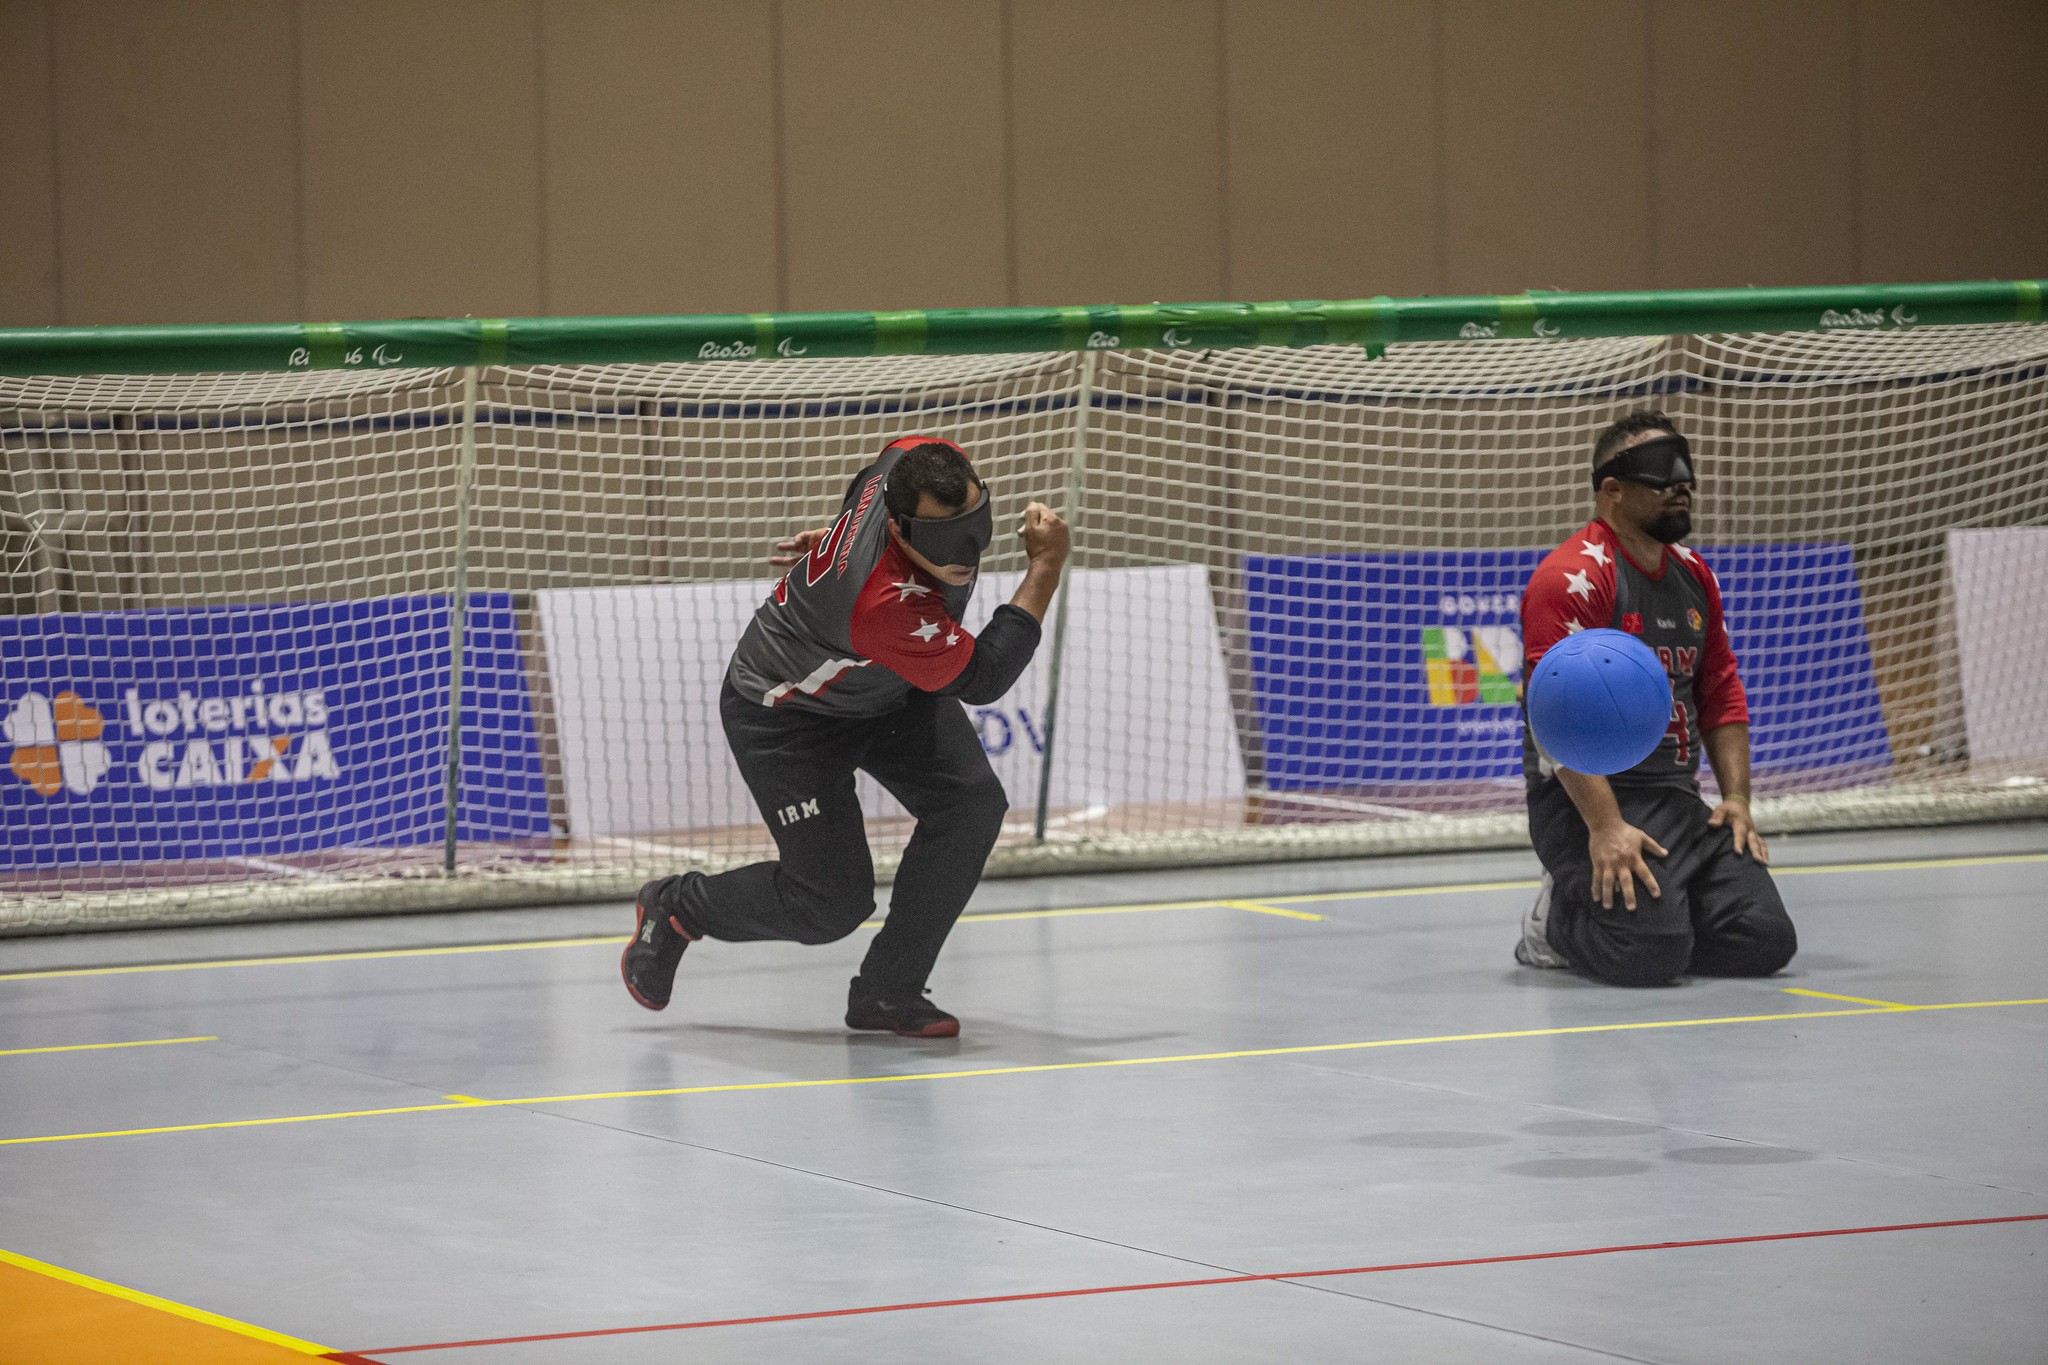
(1707, 904)
(858, 661)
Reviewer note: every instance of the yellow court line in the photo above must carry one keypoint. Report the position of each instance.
(1531, 883)
(1851, 999)
(997, 915)
(1908, 864)
(372, 954)
(1269, 902)
(1522, 884)
(1257, 908)
(101, 1047)
(1297, 1051)
(119, 1291)
(363, 955)
(250, 1123)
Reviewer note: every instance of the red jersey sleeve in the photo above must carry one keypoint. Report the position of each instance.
(1717, 690)
(1571, 590)
(900, 621)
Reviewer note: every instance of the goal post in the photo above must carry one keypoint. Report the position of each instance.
(334, 618)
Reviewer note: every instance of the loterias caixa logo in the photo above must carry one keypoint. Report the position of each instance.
(63, 745)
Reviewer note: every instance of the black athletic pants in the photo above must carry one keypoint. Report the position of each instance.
(1719, 914)
(799, 766)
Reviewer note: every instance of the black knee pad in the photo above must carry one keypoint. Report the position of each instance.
(1776, 944)
(1645, 962)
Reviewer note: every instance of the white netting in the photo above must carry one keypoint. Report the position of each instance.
(1290, 633)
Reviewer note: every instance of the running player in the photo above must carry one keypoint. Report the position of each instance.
(1707, 904)
(858, 661)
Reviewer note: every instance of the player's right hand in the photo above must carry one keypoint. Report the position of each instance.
(1045, 535)
(790, 551)
(1618, 862)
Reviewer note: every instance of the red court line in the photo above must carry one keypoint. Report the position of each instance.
(365, 1356)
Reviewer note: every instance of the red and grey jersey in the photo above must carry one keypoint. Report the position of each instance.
(1675, 609)
(854, 626)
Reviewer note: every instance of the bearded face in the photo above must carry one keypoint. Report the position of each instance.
(1670, 526)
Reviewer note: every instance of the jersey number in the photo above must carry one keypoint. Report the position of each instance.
(1681, 734)
(823, 552)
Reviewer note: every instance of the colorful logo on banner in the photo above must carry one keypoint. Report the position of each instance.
(1379, 670)
(249, 731)
(1469, 665)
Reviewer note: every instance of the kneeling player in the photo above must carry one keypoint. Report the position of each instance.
(858, 661)
(1707, 904)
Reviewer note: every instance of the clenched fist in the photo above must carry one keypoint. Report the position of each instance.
(1045, 536)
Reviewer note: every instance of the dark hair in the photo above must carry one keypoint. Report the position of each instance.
(1637, 422)
(935, 468)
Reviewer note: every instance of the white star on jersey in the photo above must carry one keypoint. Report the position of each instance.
(1572, 627)
(1687, 555)
(1596, 552)
(906, 591)
(952, 638)
(925, 630)
(1579, 584)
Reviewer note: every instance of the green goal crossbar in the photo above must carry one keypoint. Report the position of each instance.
(1372, 323)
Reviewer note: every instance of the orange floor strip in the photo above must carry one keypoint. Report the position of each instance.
(57, 1317)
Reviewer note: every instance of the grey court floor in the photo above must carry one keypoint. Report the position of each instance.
(1282, 1073)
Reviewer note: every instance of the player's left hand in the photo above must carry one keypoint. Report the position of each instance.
(1734, 814)
(797, 546)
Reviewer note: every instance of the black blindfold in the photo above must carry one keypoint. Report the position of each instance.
(1658, 463)
(958, 539)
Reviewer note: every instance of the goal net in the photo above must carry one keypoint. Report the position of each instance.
(303, 643)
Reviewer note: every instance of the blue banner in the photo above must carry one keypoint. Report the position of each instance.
(1376, 670)
(235, 732)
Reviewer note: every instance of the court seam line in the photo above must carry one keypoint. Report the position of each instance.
(102, 1047)
(1278, 1276)
(1093, 1240)
(1354, 1294)
(171, 1306)
(536, 1101)
(1377, 893)
(933, 1201)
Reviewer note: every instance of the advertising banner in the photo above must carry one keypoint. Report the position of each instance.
(635, 674)
(226, 732)
(2000, 579)
(1395, 669)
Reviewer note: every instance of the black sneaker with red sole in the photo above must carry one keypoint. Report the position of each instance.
(649, 963)
(911, 1016)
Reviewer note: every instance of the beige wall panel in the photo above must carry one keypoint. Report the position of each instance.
(660, 157)
(28, 231)
(1755, 150)
(175, 161)
(1546, 172)
(422, 158)
(1955, 136)
(1332, 141)
(893, 147)
(1118, 148)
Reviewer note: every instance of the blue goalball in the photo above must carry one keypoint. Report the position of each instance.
(1599, 702)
